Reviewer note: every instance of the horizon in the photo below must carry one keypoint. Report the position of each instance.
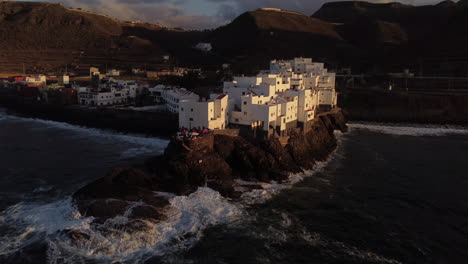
(197, 14)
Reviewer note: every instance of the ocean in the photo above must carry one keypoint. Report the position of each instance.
(390, 193)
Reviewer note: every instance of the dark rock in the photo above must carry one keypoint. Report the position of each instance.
(214, 161)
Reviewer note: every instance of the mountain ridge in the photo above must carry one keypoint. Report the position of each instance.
(361, 35)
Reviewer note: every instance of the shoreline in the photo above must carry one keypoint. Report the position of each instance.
(157, 124)
(230, 165)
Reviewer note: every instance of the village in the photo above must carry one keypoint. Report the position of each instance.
(288, 95)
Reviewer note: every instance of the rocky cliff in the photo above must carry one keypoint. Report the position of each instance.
(215, 161)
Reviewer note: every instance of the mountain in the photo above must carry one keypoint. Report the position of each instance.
(45, 36)
(255, 37)
(422, 37)
(367, 37)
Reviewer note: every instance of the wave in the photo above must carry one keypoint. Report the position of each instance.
(410, 129)
(188, 216)
(116, 240)
(112, 241)
(144, 145)
(270, 190)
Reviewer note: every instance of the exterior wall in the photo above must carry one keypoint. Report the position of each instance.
(326, 97)
(93, 98)
(36, 79)
(211, 115)
(172, 98)
(64, 80)
(272, 102)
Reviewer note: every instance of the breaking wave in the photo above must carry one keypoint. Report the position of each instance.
(410, 129)
(114, 240)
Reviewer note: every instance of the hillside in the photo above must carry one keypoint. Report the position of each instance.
(420, 37)
(367, 37)
(255, 37)
(45, 36)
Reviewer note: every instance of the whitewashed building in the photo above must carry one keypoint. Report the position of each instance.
(211, 114)
(36, 79)
(172, 96)
(287, 96)
(96, 97)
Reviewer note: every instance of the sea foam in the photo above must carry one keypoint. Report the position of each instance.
(410, 129)
(112, 241)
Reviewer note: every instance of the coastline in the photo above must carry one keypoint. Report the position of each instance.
(230, 165)
(160, 124)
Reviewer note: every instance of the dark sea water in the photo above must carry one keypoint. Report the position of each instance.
(387, 195)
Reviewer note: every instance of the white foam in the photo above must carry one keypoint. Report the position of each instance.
(144, 145)
(410, 129)
(270, 190)
(31, 222)
(188, 216)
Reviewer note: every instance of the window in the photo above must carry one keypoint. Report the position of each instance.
(245, 103)
(182, 109)
(191, 110)
(191, 119)
(237, 120)
(245, 113)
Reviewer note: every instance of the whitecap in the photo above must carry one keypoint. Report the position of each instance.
(410, 129)
(187, 216)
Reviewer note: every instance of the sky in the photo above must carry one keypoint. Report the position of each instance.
(197, 14)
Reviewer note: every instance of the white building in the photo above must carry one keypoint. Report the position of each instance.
(63, 80)
(172, 96)
(203, 46)
(36, 79)
(287, 96)
(131, 87)
(95, 97)
(211, 114)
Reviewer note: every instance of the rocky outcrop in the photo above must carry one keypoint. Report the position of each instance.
(214, 161)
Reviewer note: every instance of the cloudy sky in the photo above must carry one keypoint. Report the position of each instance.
(196, 14)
